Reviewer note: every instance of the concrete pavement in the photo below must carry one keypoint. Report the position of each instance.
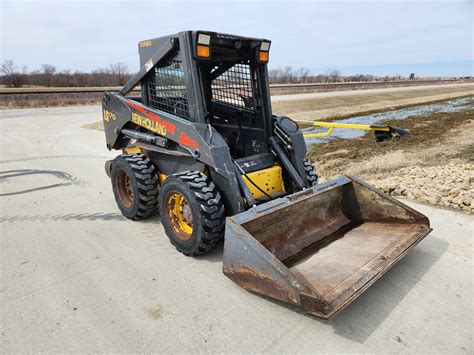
(78, 277)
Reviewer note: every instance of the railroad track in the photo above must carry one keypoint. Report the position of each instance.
(277, 88)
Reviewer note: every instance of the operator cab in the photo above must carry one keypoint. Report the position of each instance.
(231, 80)
(229, 69)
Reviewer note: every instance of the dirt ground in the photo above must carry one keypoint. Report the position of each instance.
(427, 134)
(340, 106)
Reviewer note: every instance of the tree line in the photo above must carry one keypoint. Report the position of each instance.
(117, 74)
(288, 75)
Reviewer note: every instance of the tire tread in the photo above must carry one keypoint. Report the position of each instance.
(211, 209)
(145, 176)
(311, 175)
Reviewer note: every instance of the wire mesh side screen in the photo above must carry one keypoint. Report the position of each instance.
(167, 88)
(233, 87)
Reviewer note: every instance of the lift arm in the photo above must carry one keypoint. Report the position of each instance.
(162, 51)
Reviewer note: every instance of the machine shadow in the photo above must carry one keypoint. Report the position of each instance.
(215, 255)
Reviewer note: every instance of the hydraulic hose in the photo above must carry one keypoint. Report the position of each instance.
(243, 187)
(280, 153)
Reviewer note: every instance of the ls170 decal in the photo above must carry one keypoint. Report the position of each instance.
(109, 115)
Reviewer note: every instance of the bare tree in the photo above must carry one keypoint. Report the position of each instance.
(48, 72)
(100, 77)
(276, 75)
(302, 74)
(288, 74)
(120, 72)
(13, 76)
(333, 75)
(48, 69)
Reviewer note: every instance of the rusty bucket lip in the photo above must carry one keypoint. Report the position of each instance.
(328, 311)
(307, 295)
(372, 280)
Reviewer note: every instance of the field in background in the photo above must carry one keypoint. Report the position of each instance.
(360, 102)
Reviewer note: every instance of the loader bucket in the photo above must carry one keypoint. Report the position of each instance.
(322, 247)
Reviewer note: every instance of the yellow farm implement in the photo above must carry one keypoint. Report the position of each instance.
(382, 133)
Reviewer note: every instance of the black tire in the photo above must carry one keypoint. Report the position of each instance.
(135, 185)
(202, 203)
(311, 176)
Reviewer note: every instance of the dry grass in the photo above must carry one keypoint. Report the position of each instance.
(361, 103)
(34, 100)
(42, 89)
(320, 108)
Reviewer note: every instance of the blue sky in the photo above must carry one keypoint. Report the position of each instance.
(374, 37)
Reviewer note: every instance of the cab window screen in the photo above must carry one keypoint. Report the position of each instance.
(234, 87)
(167, 89)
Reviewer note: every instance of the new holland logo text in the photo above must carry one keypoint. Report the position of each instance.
(151, 121)
(148, 124)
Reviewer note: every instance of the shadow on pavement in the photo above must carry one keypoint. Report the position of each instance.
(215, 255)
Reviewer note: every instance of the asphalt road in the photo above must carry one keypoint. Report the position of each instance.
(78, 277)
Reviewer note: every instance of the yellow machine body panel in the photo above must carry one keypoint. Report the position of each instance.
(162, 178)
(269, 180)
(132, 150)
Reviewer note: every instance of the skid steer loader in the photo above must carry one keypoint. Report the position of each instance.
(201, 146)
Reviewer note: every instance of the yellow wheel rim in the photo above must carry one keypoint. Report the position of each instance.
(179, 215)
